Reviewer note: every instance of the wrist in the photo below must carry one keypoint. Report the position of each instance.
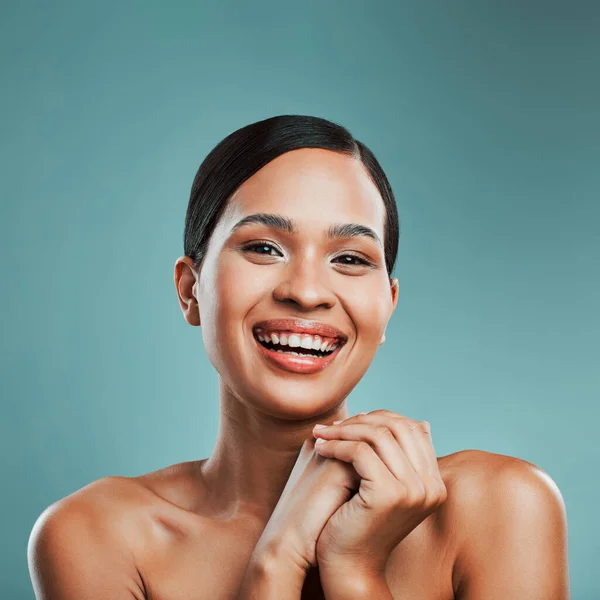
(274, 555)
(271, 575)
(354, 583)
(274, 558)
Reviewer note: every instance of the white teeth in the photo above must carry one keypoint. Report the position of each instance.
(307, 342)
(294, 341)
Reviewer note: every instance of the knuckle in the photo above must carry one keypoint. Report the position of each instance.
(384, 432)
(417, 493)
(442, 492)
(397, 417)
(363, 449)
(425, 426)
(397, 431)
(438, 492)
(406, 424)
(379, 411)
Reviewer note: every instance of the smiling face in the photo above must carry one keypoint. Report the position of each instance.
(257, 271)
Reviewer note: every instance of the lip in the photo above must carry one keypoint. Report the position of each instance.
(305, 365)
(302, 326)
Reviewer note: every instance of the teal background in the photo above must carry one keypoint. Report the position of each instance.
(485, 115)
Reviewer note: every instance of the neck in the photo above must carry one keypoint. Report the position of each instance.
(254, 455)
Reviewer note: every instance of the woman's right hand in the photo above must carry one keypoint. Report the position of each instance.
(315, 489)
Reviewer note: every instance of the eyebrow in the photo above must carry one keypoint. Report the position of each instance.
(286, 225)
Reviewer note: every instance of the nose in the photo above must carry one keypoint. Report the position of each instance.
(306, 284)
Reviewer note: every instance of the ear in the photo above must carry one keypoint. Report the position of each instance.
(395, 289)
(185, 279)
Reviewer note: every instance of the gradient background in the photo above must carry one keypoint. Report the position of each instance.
(486, 118)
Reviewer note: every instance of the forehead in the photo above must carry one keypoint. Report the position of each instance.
(311, 186)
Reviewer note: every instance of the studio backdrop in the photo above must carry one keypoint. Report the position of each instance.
(485, 118)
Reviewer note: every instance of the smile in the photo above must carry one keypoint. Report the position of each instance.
(298, 353)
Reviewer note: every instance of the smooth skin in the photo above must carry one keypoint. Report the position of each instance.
(469, 525)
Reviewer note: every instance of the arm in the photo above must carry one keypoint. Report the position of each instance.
(72, 554)
(517, 537)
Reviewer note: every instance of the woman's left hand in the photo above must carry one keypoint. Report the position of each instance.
(400, 485)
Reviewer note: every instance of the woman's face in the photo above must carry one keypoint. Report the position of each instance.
(257, 272)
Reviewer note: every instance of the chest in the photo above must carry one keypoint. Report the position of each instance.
(188, 574)
(214, 569)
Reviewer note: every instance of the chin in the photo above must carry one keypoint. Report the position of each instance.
(297, 400)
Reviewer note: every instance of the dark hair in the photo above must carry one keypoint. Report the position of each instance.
(243, 152)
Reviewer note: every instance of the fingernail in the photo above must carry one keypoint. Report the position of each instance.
(319, 426)
(319, 441)
(337, 422)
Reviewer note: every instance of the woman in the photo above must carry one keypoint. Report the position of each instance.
(290, 240)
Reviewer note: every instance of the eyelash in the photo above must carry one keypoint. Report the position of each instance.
(363, 262)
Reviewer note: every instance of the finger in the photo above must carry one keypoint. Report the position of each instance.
(427, 464)
(423, 435)
(362, 457)
(403, 430)
(381, 439)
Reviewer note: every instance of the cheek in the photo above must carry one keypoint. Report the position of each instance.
(229, 298)
(370, 309)
(236, 291)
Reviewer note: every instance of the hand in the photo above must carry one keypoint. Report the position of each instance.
(400, 486)
(315, 489)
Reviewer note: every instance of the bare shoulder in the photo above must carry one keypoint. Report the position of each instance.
(477, 478)
(77, 540)
(100, 540)
(111, 499)
(506, 513)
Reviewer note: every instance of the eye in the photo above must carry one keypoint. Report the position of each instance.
(258, 247)
(354, 257)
